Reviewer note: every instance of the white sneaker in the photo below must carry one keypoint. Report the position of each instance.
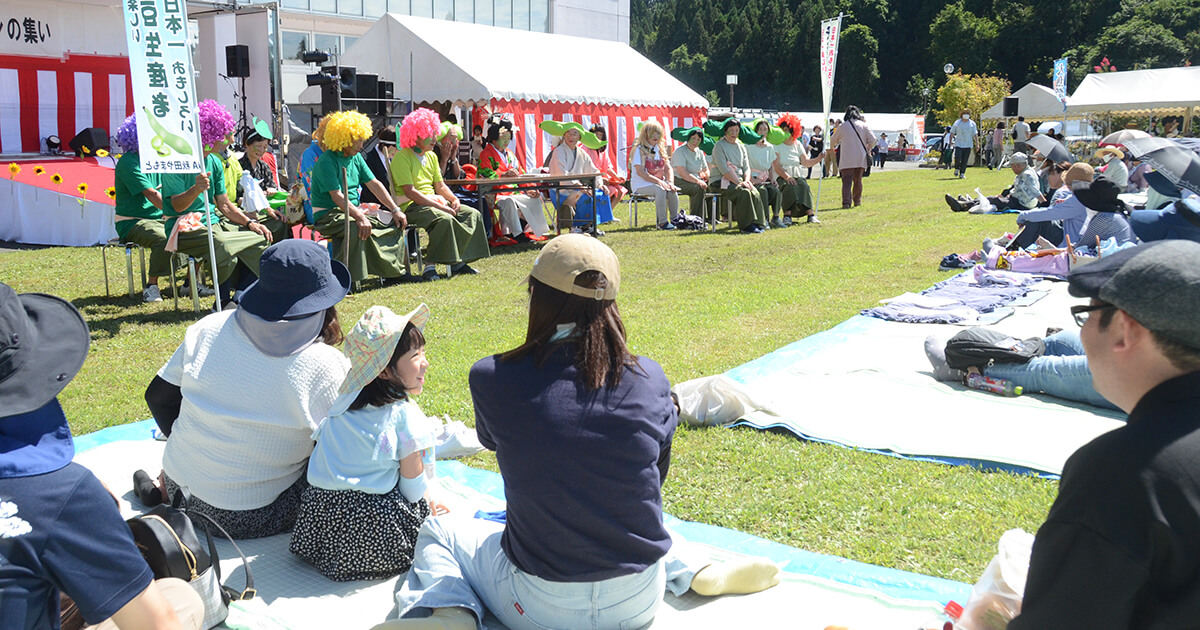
(455, 440)
(151, 294)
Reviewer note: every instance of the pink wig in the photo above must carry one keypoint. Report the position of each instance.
(216, 123)
(794, 126)
(421, 124)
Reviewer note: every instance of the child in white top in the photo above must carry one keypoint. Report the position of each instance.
(374, 455)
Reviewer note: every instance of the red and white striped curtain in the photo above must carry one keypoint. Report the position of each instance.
(532, 145)
(45, 96)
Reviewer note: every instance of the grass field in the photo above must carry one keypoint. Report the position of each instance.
(699, 303)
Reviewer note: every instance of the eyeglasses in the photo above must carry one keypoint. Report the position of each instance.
(1084, 311)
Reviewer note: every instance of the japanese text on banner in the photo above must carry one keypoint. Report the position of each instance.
(1060, 80)
(164, 96)
(830, 29)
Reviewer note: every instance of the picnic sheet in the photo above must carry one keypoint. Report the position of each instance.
(867, 384)
(817, 590)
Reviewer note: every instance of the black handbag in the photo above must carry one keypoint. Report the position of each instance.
(167, 538)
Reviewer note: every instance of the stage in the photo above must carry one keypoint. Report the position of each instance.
(34, 209)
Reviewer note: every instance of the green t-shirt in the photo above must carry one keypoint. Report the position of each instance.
(327, 177)
(417, 170)
(179, 183)
(130, 181)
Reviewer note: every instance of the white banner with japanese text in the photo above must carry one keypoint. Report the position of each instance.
(164, 94)
(831, 29)
(1060, 81)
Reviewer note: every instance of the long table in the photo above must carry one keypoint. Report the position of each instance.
(589, 184)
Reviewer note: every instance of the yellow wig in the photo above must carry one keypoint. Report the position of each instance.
(344, 129)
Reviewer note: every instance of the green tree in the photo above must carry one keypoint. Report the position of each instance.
(919, 94)
(687, 67)
(714, 99)
(857, 80)
(975, 92)
(963, 39)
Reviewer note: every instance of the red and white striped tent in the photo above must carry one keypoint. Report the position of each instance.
(63, 68)
(533, 76)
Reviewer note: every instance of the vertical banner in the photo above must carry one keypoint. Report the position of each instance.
(164, 94)
(831, 29)
(1060, 80)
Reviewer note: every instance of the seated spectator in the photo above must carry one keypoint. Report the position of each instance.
(446, 150)
(612, 180)
(1180, 220)
(1114, 168)
(378, 159)
(308, 160)
(570, 158)
(374, 239)
(1161, 192)
(690, 165)
(1024, 194)
(584, 524)
(521, 213)
(257, 143)
(650, 176)
(237, 239)
(60, 529)
(1108, 216)
(1063, 219)
(1137, 177)
(456, 233)
(790, 158)
(732, 167)
(138, 211)
(1061, 372)
(240, 398)
(761, 155)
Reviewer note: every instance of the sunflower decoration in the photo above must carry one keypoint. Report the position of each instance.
(38, 170)
(13, 170)
(82, 188)
(111, 192)
(57, 179)
(102, 153)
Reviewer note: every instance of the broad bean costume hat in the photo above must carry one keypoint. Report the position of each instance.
(587, 138)
(681, 134)
(372, 341)
(448, 128)
(43, 342)
(261, 131)
(296, 278)
(775, 135)
(1157, 283)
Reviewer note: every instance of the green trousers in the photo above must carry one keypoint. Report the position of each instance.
(797, 198)
(770, 197)
(748, 208)
(151, 234)
(452, 239)
(695, 193)
(381, 255)
(230, 244)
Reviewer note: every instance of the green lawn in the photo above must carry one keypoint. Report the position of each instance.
(699, 303)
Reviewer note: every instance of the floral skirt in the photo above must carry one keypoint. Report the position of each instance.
(351, 535)
(274, 518)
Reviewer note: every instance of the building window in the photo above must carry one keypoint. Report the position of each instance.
(350, 7)
(399, 6)
(294, 44)
(521, 14)
(296, 4)
(422, 8)
(347, 42)
(504, 13)
(328, 43)
(443, 9)
(483, 12)
(374, 8)
(323, 6)
(539, 16)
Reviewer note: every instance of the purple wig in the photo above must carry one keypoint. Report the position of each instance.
(127, 135)
(216, 123)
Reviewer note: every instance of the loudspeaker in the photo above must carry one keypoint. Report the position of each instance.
(387, 92)
(1011, 105)
(237, 61)
(331, 98)
(367, 87)
(93, 139)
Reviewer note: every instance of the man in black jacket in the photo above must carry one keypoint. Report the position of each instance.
(1119, 547)
(378, 160)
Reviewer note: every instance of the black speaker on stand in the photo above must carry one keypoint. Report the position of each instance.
(1011, 105)
(237, 61)
(367, 87)
(88, 141)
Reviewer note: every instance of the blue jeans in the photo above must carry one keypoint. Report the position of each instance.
(1062, 372)
(459, 563)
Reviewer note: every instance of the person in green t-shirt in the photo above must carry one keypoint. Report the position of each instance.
(456, 232)
(138, 211)
(377, 250)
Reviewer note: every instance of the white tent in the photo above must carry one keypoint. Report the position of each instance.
(468, 64)
(1159, 91)
(911, 125)
(1036, 101)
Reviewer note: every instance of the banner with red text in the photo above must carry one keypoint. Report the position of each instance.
(831, 30)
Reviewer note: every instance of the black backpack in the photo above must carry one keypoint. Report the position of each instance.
(980, 347)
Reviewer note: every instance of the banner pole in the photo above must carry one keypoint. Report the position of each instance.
(830, 34)
(212, 251)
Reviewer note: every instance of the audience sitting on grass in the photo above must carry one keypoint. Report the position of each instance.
(1107, 215)
(1024, 194)
(456, 232)
(368, 476)
(1180, 220)
(1063, 219)
(1114, 168)
(584, 525)
(241, 396)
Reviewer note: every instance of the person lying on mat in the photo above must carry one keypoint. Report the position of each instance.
(1024, 194)
(584, 545)
(1061, 372)
(60, 529)
(240, 398)
(1118, 547)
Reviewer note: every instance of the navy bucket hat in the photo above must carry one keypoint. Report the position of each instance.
(296, 278)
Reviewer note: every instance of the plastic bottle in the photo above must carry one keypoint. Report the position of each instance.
(944, 621)
(1001, 386)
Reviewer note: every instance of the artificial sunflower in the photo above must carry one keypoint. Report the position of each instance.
(101, 153)
(56, 178)
(82, 188)
(37, 170)
(111, 192)
(13, 169)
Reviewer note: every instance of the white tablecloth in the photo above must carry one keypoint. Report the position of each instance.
(29, 214)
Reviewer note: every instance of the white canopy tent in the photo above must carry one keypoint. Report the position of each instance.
(442, 61)
(911, 125)
(1139, 92)
(1035, 101)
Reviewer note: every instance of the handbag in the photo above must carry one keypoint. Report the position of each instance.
(167, 538)
(867, 170)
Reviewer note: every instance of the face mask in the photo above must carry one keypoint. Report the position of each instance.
(966, 117)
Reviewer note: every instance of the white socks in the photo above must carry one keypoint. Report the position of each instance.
(748, 575)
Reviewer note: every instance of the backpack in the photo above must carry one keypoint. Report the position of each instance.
(980, 347)
(688, 222)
